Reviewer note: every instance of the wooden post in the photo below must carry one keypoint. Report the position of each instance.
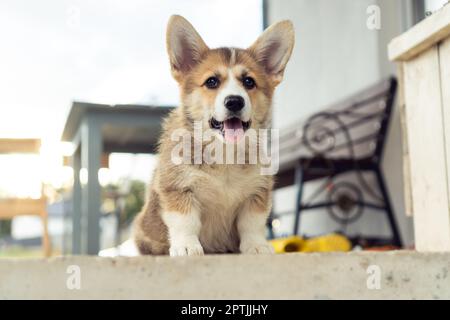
(76, 204)
(46, 244)
(423, 54)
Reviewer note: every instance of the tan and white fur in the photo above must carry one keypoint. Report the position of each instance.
(192, 209)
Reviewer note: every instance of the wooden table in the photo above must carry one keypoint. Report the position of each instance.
(96, 129)
(423, 57)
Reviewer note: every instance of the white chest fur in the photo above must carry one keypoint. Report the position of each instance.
(221, 195)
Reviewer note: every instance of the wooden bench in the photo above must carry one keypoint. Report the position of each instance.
(348, 136)
(14, 207)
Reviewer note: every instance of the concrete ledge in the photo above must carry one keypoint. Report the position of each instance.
(403, 275)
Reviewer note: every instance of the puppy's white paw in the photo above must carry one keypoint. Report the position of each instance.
(194, 249)
(256, 248)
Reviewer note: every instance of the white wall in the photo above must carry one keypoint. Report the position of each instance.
(434, 5)
(336, 55)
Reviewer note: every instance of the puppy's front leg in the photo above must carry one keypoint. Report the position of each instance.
(251, 226)
(184, 229)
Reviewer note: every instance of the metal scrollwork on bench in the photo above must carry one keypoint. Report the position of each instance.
(346, 138)
(345, 200)
(317, 137)
(348, 202)
(326, 132)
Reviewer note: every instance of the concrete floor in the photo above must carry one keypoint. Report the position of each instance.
(356, 275)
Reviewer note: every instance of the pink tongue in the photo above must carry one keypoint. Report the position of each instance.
(233, 130)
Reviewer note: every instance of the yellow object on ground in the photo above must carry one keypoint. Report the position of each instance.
(328, 243)
(290, 244)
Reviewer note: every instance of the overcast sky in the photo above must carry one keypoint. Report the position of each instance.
(105, 51)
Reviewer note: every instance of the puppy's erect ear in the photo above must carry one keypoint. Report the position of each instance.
(273, 49)
(184, 45)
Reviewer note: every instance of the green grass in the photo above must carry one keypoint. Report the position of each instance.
(21, 252)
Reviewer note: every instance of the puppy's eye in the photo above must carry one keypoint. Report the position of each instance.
(212, 82)
(249, 83)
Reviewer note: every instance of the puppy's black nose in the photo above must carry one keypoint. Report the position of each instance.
(234, 103)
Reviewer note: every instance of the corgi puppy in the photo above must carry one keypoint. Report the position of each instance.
(202, 207)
